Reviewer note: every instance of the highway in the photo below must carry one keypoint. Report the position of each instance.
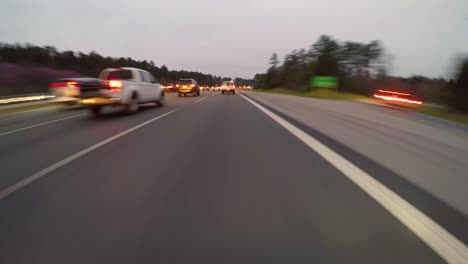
(245, 178)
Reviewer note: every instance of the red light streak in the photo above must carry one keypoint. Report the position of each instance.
(391, 92)
(397, 99)
(63, 85)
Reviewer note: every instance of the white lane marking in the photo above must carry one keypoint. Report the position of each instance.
(440, 240)
(41, 124)
(10, 118)
(199, 100)
(21, 184)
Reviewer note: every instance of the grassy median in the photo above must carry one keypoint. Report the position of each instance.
(440, 112)
(316, 93)
(444, 113)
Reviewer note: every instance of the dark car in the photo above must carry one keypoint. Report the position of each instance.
(69, 89)
(188, 86)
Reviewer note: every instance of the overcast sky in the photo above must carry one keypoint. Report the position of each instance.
(237, 37)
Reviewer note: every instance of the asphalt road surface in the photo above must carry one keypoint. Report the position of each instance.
(210, 179)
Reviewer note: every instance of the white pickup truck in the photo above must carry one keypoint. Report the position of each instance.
(128, 87)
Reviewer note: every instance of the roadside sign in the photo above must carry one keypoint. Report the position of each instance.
(329, 82)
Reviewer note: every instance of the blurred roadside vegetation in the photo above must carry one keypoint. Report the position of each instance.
(316, 93)
(361, 69)
(27, 68)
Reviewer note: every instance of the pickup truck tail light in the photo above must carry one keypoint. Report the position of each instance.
(114, 85)
(70, 84)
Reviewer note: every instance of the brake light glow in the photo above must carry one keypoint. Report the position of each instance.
(177, 85)
(397, 99)
(70, 84)
(193, 85)
(115, 84)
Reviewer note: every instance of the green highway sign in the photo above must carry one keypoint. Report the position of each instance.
(329, 82)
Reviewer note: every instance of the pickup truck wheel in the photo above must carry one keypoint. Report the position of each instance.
(162, 100)
(179, 95)
(132, 106)
(222, 92)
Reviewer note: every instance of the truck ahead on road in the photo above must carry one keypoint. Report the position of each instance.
(128, 87)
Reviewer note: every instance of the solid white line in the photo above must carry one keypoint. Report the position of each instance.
(435, 236)
(199, 100)
(17, 186)
(41, 124)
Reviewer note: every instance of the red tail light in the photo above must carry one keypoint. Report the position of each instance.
(177, 86)
(193, 85)
(56, 85)
(71, 84)
(114, 85)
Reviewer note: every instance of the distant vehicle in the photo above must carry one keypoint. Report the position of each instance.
(205, 88)
(67, 89)
(228, 87)
(169, 88)
(128, 87)
(217, 88)
(188, 86)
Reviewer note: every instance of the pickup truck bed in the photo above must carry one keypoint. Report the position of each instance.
(128, 87)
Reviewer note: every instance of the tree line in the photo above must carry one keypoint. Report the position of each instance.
(326, 57)
(360, 68)
(92, 63)
(460, 93)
